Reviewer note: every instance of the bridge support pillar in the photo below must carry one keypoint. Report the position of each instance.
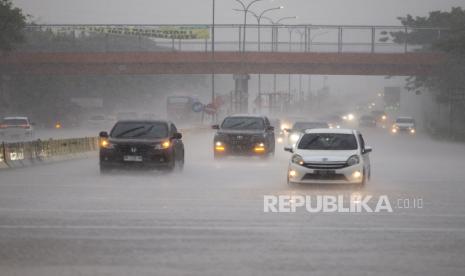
(241, 93)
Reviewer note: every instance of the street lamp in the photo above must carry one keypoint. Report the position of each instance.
(309, 48)
(274, 38)
(213, 55)
(258, 17)
(245, 9)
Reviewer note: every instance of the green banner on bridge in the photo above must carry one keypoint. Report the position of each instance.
(167, 32)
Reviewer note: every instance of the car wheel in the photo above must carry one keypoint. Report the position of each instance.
(217, 157)
(291, 184)
(364, 179)
(179, 165)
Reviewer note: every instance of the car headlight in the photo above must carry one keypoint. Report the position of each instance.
(297, 159)
(162, 146)
(353, 160)
(105, 144)
(294, 137)
(219, 146)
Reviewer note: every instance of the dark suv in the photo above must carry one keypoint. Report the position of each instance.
(244, 135)
(141, 144)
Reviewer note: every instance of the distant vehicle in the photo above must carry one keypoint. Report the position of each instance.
(16, 129)
(404, 125)
(380, 117)
(127, 115)
(180, 108)
(334, 121)
(330, 156)
(142, 144)
(280, 134)
(367, 121)
(249, 135)
(299, 128)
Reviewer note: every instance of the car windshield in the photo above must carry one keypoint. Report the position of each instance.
(14, 122)
(244, 123)
(404, 121)
(300, 126)
(328, 141)
(140, 130)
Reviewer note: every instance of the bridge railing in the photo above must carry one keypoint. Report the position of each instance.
(257, 38)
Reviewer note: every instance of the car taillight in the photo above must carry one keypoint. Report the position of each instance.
(3, 126)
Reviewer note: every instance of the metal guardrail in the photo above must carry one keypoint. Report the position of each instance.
(229, 37)
(23, 154)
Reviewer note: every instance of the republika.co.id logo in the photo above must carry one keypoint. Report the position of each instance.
(355, 203)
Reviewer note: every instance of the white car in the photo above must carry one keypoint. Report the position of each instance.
(333, 156)
(16, 129)
(404, 124)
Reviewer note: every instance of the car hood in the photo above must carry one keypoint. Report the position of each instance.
(240, 131)
(404, 125)
(136, 141)
(326, 155)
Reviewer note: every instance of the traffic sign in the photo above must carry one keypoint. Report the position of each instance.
(210, 109)
(197, 107)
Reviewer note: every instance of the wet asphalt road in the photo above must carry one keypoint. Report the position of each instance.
(65, 219)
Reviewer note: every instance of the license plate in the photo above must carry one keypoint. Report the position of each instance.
(325, 173)
(132, 158)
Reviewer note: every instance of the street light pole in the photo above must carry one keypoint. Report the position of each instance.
(213, 54)
(246, 10)
(258, 17)
(275, 38)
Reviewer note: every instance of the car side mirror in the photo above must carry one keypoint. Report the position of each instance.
(177, 135)
(289, 149)
(367, 150)
(288, 130)
(103, 134)
(215, 127)
(270, 128)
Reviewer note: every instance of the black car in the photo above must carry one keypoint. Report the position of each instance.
(244, 135)
(142, 144)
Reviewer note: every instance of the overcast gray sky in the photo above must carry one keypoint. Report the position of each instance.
(363, 12)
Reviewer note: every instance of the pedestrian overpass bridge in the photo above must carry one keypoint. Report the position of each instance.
(191, 49)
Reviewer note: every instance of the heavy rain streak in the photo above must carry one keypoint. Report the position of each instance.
(232, 137)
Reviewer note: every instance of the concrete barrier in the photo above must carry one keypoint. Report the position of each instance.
(3, 165)
(24, 154)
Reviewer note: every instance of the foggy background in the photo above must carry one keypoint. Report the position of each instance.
(360, 12)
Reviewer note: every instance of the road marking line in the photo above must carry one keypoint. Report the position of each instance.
(229, 228)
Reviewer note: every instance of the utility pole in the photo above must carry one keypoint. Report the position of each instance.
(213, 56)
(259, 17)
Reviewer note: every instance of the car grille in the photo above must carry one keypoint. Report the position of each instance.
(312, 176)
(129, 149)
(327, 166)
(240, 139)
